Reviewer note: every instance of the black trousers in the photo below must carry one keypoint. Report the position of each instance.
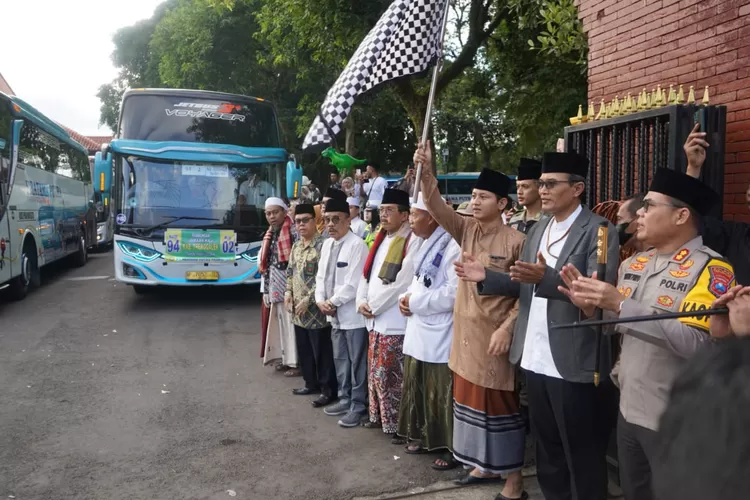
(570, 443)
(315, 353)
(635, 453)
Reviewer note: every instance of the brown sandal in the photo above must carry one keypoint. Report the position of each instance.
(293, 372)
(281, 367)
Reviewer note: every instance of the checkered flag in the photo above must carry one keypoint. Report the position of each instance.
(405, 41)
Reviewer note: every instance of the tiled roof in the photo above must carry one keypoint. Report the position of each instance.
(87, 143)
(5, 86)
(100, 139)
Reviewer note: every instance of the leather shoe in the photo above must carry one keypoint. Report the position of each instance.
(304, 391)
(323, 400)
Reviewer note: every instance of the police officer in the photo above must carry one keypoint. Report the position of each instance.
(678, 273)
(527, 189)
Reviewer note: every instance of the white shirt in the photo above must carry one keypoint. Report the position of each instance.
(348, 273)
(383, 299)
(537, 354)
(375, 189)
(429, 330)
(358, 227)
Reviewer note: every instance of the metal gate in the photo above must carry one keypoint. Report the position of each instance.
(625, 151)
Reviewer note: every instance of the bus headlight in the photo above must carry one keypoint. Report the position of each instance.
(251, 255)
(138, 252)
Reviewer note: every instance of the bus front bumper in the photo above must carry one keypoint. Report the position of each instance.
(159, 272)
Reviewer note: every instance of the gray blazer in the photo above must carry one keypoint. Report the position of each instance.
(573, 350)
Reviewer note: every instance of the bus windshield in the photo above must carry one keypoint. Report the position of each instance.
(190, 119)
(227, 196)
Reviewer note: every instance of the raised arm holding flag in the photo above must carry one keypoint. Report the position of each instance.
(406, 40)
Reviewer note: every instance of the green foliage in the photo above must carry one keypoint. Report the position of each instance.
(513, 75)
(562, 36)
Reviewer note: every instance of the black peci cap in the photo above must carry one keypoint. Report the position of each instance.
(337, 205)
(529, 169)
(566, 163)
(494, 182)
(684, 188)
(395, 197)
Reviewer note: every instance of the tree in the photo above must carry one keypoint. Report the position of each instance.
(327, 32)
(138, 67)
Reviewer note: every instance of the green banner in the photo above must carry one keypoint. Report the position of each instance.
(200, 245)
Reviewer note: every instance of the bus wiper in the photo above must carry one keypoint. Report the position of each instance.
(175, 219)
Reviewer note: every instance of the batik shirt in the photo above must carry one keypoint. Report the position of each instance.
(300, 283)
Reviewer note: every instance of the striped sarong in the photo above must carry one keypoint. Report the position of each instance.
(488, 429)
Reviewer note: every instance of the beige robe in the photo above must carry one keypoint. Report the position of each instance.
(476, 317)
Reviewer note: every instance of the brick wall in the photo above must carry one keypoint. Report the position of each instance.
(642, 43)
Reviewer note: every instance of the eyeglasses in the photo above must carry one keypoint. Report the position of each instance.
(650, 203)
(303, 220)
(552, 183)
(388, 211)
(332, 220)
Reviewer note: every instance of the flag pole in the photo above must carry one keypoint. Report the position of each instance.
(431, 98)
(641, 319)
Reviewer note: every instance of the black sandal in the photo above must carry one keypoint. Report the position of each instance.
(397, 440)
(450, 463)
(415, 451)
(371, 425)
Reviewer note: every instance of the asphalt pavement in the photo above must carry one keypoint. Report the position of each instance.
(109, 395)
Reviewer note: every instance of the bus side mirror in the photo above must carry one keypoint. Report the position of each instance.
(102, 173)
(293, 180)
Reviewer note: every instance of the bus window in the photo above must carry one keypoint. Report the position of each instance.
(198, 119)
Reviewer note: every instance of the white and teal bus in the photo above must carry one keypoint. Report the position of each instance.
(192, 171)
(45, 208)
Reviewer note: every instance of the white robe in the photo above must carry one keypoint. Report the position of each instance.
(280, 340)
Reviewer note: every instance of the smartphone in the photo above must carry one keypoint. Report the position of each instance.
(359, 171)
(700, 117)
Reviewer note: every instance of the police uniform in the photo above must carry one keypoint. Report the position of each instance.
(653, 353)
(522, 221)
(528, 170)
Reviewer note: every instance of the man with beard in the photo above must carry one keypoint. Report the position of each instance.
(279, 340)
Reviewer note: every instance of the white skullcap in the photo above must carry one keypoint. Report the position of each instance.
(372, 205)
(305, 180)
(276, 202)
(353, 201)
(420, 203)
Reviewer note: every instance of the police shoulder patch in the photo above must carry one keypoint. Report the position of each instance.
(681, 255)
(715, 279)
(721, 278)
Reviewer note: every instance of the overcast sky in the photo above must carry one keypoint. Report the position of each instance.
(56, 53)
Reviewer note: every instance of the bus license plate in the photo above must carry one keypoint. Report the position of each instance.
(202, 275)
